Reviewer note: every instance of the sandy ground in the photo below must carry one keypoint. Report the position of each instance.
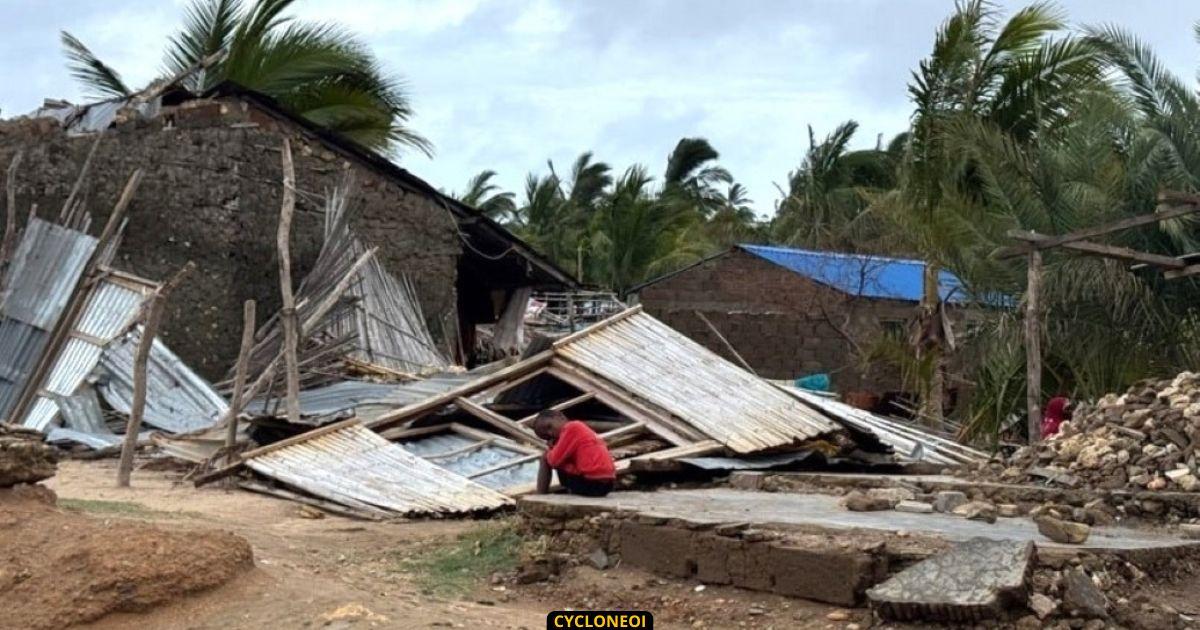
(340, 573)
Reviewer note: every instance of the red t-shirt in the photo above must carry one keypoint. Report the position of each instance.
(579, 451)
(1056, 412)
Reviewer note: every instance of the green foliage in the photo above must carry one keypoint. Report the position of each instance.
(319, 71)
(454, 569)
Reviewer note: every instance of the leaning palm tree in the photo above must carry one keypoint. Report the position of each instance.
(319, 71)
(692, 176)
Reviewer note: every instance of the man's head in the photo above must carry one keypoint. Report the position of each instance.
(548, 423)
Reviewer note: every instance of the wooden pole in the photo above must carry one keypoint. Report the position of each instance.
(239, 379)
(722, 339)
(10, 216)
(156, 306)
(1033, 346)
(288, 312)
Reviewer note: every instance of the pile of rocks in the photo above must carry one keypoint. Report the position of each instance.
(24, 457)
(1145, 438)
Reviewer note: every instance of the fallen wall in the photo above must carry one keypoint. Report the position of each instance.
(211, 194)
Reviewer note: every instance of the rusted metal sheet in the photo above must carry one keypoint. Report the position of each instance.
(355, 467)
(653, 362)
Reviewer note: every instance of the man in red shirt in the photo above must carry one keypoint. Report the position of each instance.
(580, 456)
(1057, 411)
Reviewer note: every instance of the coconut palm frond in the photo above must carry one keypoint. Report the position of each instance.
(98, 78)
(207, 29)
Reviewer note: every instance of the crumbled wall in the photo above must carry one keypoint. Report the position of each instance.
(783, 324)
(211, 194)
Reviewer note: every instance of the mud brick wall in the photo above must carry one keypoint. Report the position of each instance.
(211, 194)
(783, 324)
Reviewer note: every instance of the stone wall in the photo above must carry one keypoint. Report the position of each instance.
(782, 323)
(211, 194)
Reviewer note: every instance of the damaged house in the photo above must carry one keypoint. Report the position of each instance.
(211, 194)
(792, 312)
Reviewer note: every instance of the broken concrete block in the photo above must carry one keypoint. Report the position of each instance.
(1081, 597)
(1042, 606)
(914, 507)
(948, 500)
(1061, 531)
(976, 580)
(857, 501)
(1008, 510)
(977, 511)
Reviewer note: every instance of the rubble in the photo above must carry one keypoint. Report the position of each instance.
(1144, 439)
(947, 501)
(1081, 597)
(914, 507)
(977, 511)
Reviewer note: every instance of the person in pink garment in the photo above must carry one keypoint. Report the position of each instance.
(1058, 410)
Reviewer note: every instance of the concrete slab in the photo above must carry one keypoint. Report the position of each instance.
(784, 510)
(975, 580)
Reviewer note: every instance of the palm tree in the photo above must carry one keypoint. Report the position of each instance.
(319, 71)
(488, 198)
(1013, 75)
(692, 176)
(825, 203)
(734, 221)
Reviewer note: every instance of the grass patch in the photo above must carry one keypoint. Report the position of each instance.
(118, 508)
(455, 568)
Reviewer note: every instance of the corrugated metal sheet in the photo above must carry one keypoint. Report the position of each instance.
(654, 362)
(477, 460)
(82, 412)
(910, 443)
(355, 467)
(862, 275)
(87, 119)
(177, 399)
(330, 400)
(20, 347)
(755, 462)
(110, 308)
(44, 272)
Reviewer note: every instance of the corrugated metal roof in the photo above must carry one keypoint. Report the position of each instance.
(328, 400)
(477, 460)
(177, 399)
(110, 308)
(45, 269)
(20, 347)
(910, 443)
(355, 467)
(862, 275)
(654, 362)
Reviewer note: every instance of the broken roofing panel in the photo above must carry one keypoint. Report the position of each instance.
(177, 399)
(364, 398)
(355, 467)
(655, 363)
(44, 273)
(469, 456)
(110, 309)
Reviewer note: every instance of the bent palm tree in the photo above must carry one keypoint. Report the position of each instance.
(487, 197)
(319, 71)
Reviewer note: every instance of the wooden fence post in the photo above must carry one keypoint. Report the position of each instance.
(239, 379)
(154, 315)
(1033, 346)
(288, 312)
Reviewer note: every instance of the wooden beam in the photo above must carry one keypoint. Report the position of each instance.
(1033, 347)
(158, 304)
(470, 448)
(428, 405)
(237, 400)
(402, 433)
(1100, 230)
(722, 339)
(502, 424)
(1106, 251)
(1186, 272)
(559, 406)
(500, 441)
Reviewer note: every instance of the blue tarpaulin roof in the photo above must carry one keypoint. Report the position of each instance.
(862, 275)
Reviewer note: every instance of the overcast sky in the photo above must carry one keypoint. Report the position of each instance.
(508, 84)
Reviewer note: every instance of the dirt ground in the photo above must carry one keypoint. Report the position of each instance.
(335, 572)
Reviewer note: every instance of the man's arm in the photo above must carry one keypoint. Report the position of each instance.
(543, 478)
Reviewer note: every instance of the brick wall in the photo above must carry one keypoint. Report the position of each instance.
(782, 323)
(211, 194)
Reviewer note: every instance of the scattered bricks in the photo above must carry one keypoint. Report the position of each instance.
(666, 550)
(833, 577)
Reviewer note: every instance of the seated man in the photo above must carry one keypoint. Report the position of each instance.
(580, 456)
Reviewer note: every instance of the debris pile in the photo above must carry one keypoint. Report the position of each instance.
(1144, 439)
